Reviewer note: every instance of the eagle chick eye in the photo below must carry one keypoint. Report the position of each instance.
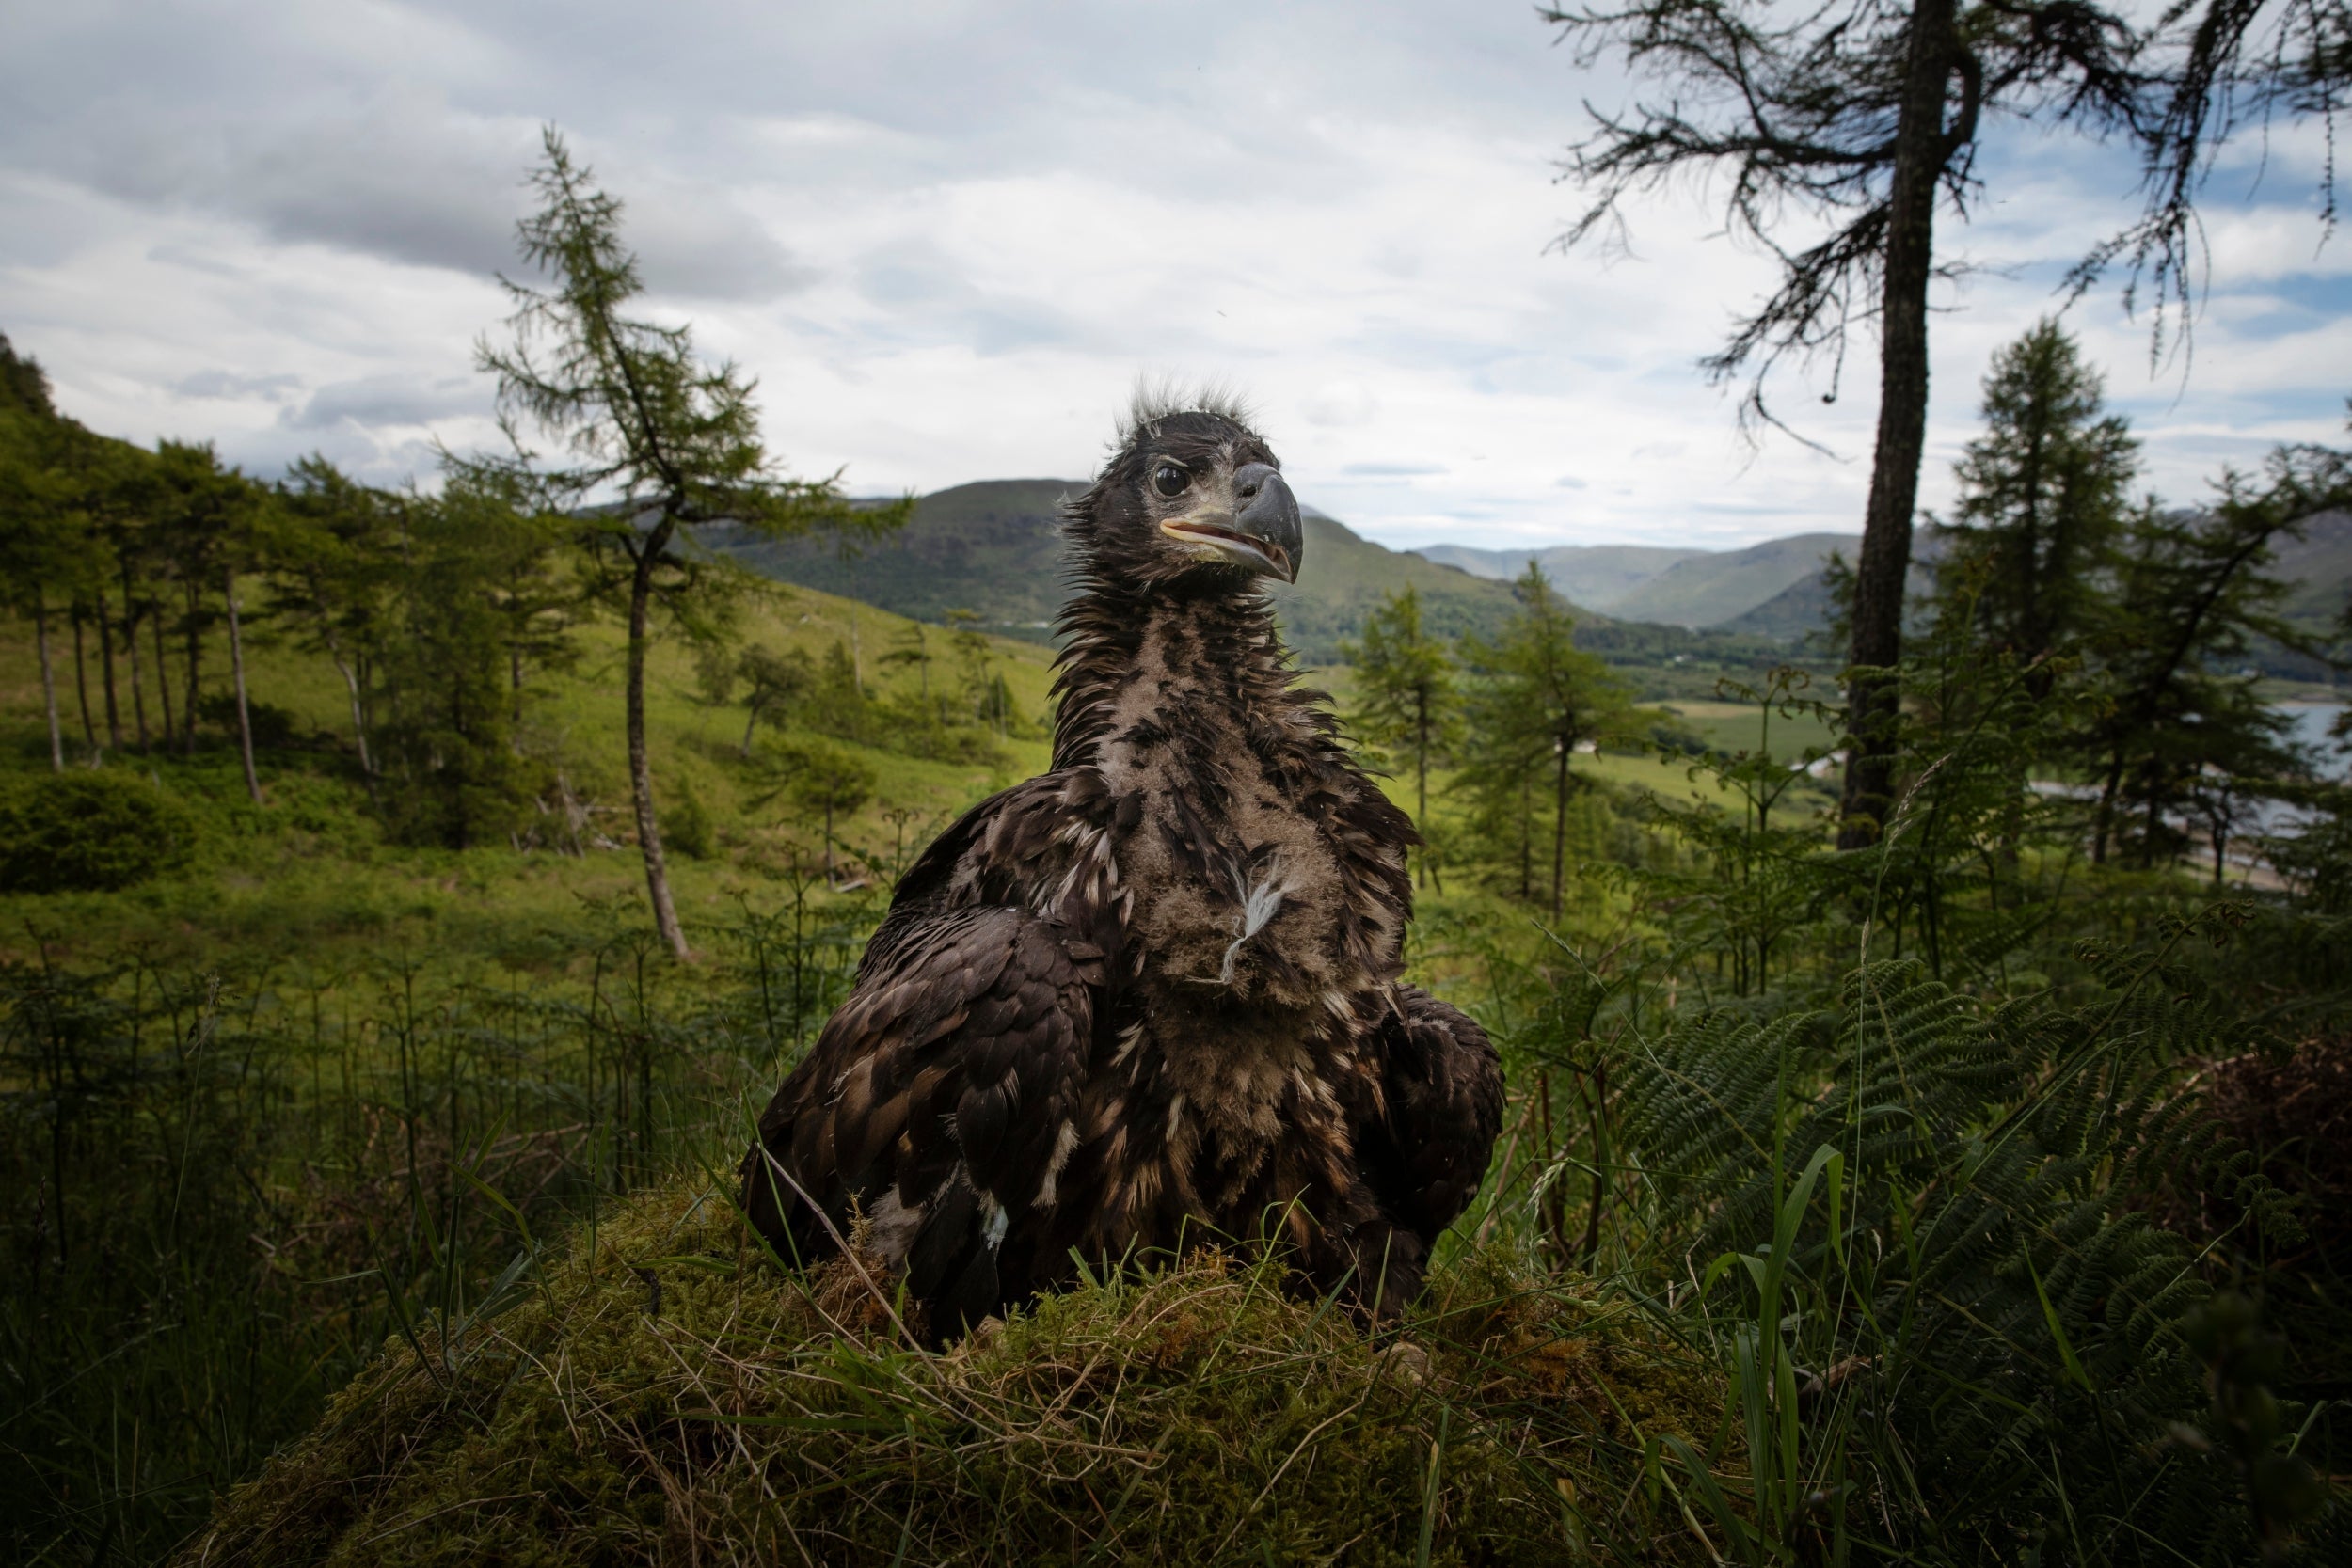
(1169, 479)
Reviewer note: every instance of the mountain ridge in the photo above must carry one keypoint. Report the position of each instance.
(1595, 576)
(995, 548)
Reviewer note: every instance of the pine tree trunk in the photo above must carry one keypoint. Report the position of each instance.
(106, 674)
(358, 713)
(131, 647)
(1884, 561)
(48, 680)
(236, 666)
(196, 647)
(163, 671)
(1527, 834)
(81, 682)
(1560, 829)
(639, 764)
(2105, 819)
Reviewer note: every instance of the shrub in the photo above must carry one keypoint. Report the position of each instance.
(274, 726)
(687, 828)
(89, 832)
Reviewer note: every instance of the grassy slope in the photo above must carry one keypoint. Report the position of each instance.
(315, 862)
(309, 888)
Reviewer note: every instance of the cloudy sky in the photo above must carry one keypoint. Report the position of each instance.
(947, 237)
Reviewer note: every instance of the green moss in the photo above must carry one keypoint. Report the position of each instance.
(1198, 1414)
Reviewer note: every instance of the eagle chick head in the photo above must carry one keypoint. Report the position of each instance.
(1191, 495)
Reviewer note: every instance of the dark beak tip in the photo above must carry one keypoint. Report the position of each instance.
(1272, 515)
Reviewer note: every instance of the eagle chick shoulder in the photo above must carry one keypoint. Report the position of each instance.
(1148, 1000)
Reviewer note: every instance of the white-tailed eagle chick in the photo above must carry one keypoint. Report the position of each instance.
(1148, 1000)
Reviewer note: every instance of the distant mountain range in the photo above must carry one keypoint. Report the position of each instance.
(1776, 591)
(1595, 576)
(1672, 587)
(995, 548)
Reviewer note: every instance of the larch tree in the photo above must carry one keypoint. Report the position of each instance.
(1844, 131)
(2043, 496)
(2192, 593)
(2219, 69)
(911, 649)
(208, 524)
(775, 681)
(1541, 699)
(38, 545)
(1408, 700)
(822, 780)
(665, 440)
(336, 559)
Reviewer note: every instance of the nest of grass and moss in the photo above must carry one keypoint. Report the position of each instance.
(661, 1391)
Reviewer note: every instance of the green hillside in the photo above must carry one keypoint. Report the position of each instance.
(1795, 612)
(2320, 566)
(1710, 590)
(317, 861)
(1345, 576)
(995, 548)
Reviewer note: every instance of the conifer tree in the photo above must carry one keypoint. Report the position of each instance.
(911, 649)
(2192, 592)
(466, 780)
(37, 545)
(776, 681)
(336, 573)
(670, 442)
(1406, 700)
(2043, 493)
(1540, 699)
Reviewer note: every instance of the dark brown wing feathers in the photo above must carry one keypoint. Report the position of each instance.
(1443, 1087)
(933, 1099)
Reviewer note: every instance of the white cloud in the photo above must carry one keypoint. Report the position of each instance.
(946, 237)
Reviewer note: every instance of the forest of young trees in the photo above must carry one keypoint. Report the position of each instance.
(1977, 1155)
(2142, 731)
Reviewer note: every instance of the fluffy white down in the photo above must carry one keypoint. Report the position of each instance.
(1259, 905)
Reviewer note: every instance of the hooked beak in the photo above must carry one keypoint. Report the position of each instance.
(1261, 535)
